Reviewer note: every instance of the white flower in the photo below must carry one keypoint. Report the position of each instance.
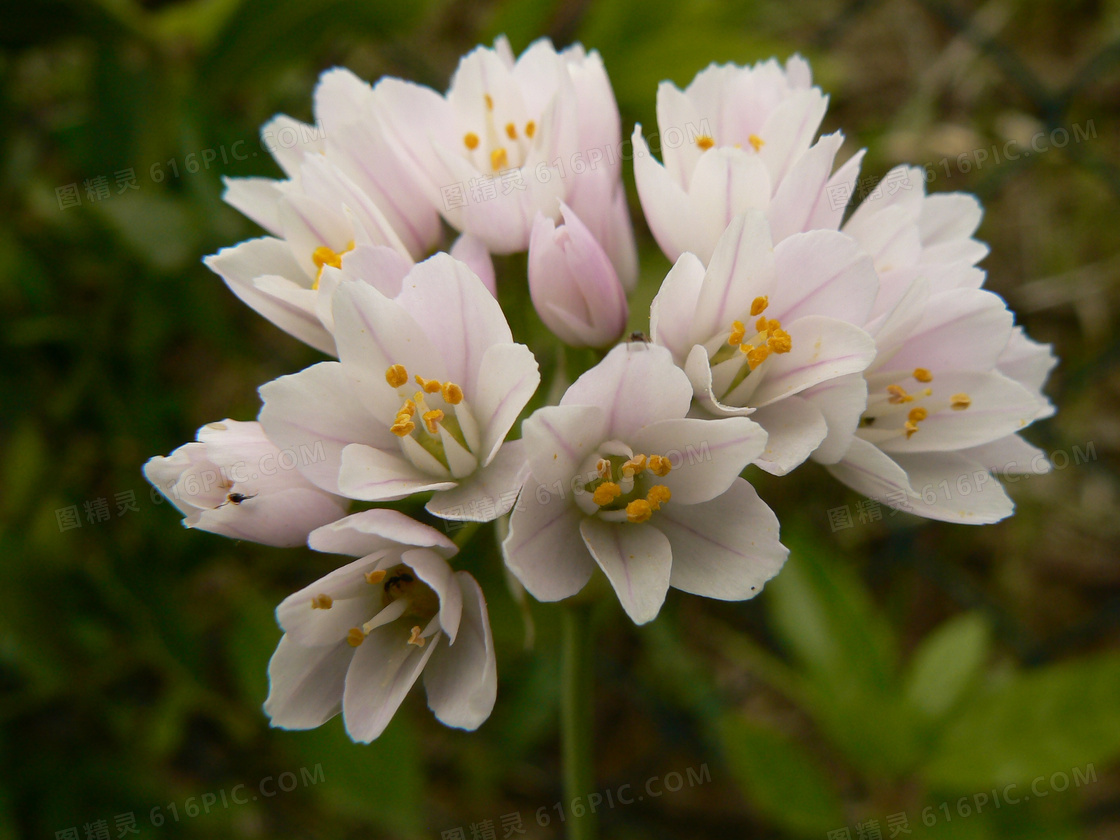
(622, 480)
(736, 139)
(573, 284)
(940, 414)
(357, 639)
(426, 387)
(235, 482)
(763, 324)
(498, 134)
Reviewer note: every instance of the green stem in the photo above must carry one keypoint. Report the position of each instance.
(577, 705)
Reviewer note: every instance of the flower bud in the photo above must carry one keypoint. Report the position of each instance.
(235, 482)
(574, 286)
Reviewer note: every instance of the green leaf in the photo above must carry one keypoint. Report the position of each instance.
(786, 784)
(1052, 720)
(947, 663)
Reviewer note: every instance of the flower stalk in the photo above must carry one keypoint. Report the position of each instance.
(577, 722)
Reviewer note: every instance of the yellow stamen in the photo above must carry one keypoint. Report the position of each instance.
(757, 356)
(959, 402)
(634, 466)
(917, 415)
(658, 495)
(705, 142)
(431, 420)
(355, 637)
(530, 129)
(489, 102)
(910, 427)
(606, 493)
(498, 158)
(603, 468)
(452, 393)
(639, 510)
(922, 375)
(898, 395)
(376, 576)
(322, 602)
(659, 465)
(323, 255)
(396, 376)
(402, 428)
(470, 140)
(407, 410)
(511, 131)
(738, 332)
(759, 304)
(432, 386)
(756, 141)
(416, 638)
(780, 341)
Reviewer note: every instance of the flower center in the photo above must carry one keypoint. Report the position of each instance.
(436, 418)
(706, 141)
(625, 484)
(402, 596)
(497, 146)
(893, 411)
(324, 256)
(741, 355)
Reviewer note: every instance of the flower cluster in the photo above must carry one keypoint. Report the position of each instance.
(782, 333)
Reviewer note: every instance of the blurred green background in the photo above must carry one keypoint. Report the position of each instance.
(964, 679)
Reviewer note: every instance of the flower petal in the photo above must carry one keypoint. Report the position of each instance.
(706, 455)
(868, 470)
(371, 531)
(462, 679)
(544, 549)
(305, 684)
(794, 428)
(725, 548)
(670, 314)
(559, 438)
(507, 377)
(487, 494)
(384, 668)
(637, 560)
(938, 478)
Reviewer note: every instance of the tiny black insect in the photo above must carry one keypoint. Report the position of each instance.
(236, 498)
(638, 335)
(403, 577)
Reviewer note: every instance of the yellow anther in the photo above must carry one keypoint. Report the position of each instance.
(738, 333)
(431, 420)
(355, 637)
(910, 427)
(432, 386)
(402, 428)
(898, 395)
(917, 415)
(658, 495)
(498, 158)
(452, 393)
(530, 129)
(745, 348)
(489, 101)
(323, 255)
(470, 140)
(757, 356)
(773, 324)
(376, 576)
(639, 510)
(603, 468)
(407, 410)
(780, 341)
(705, 142)
(756, 141)
(606, 493)
(659, 465)
(416, 638)
(760, 324)
(396, 375)
(922, 375)
(759, 304)
(511, 131)
(959, 402)
(322, 602)
(634, 466)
